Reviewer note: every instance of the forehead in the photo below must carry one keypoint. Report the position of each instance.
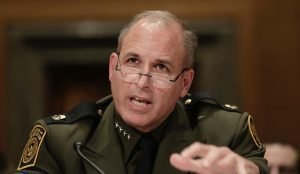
(157, 39)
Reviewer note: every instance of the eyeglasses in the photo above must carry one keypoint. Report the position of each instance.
(158, 80)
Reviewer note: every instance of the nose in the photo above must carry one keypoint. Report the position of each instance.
(144, 80)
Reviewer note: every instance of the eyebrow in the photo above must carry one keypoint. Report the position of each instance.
(159, 60)
(131, 54)
(127, 55)
(165, 62)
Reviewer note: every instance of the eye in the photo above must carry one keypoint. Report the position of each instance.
(132, 61)
(161, 67)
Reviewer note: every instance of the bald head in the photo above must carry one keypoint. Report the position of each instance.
(164, 19)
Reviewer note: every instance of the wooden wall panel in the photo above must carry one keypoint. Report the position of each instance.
(267, 41)
(276, 45)
(13, 12)
(3, 118)
(49, 10)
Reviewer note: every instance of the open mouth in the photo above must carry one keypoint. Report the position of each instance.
(140, 101)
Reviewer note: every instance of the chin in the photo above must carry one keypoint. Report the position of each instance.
(136, 121)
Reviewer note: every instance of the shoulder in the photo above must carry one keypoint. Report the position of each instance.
(200, 105)
(84, 111)
(56, 134)
(219, 123)
(79, 123)
(212, 118)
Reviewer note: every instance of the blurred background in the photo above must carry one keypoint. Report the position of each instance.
(54, 54)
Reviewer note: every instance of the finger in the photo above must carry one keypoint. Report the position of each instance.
(179, 162)
(213, 156)
(228, 160)
(196, 150)
(238, 164)
(227, 164)
(217, 154)
(185, 164)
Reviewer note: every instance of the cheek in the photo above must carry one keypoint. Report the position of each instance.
(119, 88)
(116, 87)
(167, 97)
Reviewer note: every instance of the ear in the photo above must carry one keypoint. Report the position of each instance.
(188, 77)
(112, 64)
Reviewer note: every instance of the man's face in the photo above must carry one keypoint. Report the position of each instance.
(282, 159)
(153, 49)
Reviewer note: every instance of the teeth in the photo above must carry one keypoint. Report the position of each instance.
(139, 103)
(141, 100)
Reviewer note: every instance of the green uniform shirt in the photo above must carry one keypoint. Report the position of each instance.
(129, 138)
(111, 144)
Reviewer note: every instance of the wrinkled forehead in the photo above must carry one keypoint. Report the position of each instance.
(168, 34)
(156, 39)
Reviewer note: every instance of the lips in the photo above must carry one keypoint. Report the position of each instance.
(140, 101)
(140, 104)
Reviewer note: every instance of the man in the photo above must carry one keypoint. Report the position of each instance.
(143, 127)
(283, 158)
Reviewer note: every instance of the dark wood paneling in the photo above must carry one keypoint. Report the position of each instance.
(267, 41)
(3, 118)
(277, 43)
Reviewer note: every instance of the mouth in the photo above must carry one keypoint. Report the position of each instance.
(140, 101)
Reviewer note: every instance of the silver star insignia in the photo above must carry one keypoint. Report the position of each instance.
(58, 117)
(120, 128)
(124, 133)
(116, 124)
(128, 137)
